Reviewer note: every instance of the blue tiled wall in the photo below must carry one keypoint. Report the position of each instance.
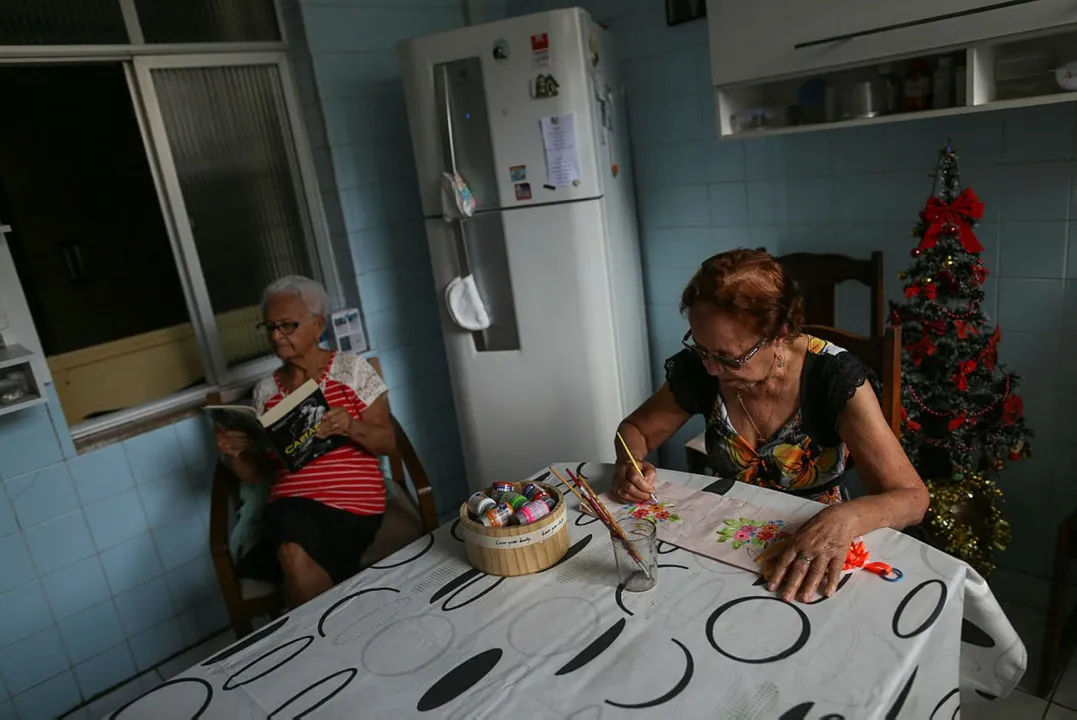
(106, 568)
(854, 191)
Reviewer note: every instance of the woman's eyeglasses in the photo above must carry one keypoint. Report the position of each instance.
(729, 362)
(285, 328)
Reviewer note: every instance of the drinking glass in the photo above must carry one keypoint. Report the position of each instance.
(634, 575)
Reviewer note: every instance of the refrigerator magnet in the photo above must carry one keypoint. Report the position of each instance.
(544, 86)
(501, 50)
(523, 191)
(518, 173)
(540, 50)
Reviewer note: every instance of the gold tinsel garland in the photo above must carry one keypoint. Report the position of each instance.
(950, 500)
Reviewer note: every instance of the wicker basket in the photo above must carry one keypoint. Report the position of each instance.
(517, 549)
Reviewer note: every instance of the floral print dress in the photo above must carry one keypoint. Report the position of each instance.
(806, 456)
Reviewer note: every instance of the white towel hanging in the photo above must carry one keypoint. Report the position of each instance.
(465, 306)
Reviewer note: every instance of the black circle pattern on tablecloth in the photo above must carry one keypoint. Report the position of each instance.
(343, 601)
(593, 650)
(583, 519)
(459, 584)
(573, 551)
(795, 647)
(459, 680)
(413, 558)
(957, 704)
(841, 584)
(247, 642)
(202, 684)
(973, 634)
(427, 625)
(686, 677)
(929, 620)
(899, 701)
(303, 643)
(299, 711)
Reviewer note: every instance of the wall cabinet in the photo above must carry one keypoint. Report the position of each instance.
(764, 52)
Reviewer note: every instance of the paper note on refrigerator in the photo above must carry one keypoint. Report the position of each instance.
(559, 143)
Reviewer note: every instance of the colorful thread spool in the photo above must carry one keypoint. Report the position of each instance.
(478, 504)
(532, 512)
(498, 516)
(503, 487)
(551, 502)
(513, 499)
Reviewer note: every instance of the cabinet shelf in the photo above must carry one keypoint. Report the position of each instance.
(1000, 74)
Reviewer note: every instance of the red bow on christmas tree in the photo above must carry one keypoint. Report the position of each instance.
(954, 217)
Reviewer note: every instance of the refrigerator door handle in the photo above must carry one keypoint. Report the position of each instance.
(448, 118)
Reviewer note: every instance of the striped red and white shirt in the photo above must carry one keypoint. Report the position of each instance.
(348, 477)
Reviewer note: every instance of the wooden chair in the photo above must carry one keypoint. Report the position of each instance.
(407, 518)
(1059, 608)
(817, 276)
(881, 354)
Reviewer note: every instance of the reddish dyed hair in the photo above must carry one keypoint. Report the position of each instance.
(751, 286)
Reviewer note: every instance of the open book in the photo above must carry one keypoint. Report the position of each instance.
(287, 430)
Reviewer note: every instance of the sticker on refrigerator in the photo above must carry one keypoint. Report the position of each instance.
(523, 191)
(592, 44)
(518, 173)
(540, 50)
(544, 86)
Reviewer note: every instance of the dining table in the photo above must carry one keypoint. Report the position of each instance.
(423, 634)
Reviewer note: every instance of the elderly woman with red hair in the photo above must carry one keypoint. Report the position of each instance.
(784, 410)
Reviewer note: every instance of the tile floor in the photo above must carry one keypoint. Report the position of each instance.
(127, 692)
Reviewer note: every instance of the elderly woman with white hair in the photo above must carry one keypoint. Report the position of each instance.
(320, 519)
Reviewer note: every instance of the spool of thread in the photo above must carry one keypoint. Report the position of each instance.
(551, 502)
(513, 499)
(478, 504)
(531, 490)
(503, 487)
(498, 516)
(531, 512)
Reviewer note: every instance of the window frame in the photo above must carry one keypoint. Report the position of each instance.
(139, 60)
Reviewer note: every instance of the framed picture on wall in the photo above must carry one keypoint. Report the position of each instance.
(682, 11)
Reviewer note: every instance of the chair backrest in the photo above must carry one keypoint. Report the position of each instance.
(405, 458)
(882, 355)
(817, 276)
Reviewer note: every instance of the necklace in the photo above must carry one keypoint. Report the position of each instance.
(760, 438)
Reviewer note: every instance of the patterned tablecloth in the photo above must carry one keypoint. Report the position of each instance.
(422, 634)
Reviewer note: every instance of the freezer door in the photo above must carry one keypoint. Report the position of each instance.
(559, 394)
(533, 68)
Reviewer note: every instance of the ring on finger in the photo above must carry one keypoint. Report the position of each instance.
(803, 558)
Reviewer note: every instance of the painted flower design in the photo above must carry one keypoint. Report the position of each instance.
(658, 514)
(745, 531)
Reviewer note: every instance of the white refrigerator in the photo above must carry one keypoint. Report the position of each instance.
(530, 114)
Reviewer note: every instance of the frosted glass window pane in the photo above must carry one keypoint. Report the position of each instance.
(194, 21)
(232, 145)
(61, 22)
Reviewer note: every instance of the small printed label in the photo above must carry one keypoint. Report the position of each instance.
(540, 50)
(518, 173)
(523, 191)
(515, 541)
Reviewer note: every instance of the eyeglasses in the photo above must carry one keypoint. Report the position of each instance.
(731, 363)
(285, 328)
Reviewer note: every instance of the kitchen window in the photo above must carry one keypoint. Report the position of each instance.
(156, 176)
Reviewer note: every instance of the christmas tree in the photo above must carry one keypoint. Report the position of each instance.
(962, 415)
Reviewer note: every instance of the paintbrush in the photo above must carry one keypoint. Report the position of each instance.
(634, 463)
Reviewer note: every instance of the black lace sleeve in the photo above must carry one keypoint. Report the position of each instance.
(831, 383)
(693, 388)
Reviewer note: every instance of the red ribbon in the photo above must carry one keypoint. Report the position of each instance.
(957, 216)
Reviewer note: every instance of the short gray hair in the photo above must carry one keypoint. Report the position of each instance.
(310, 291)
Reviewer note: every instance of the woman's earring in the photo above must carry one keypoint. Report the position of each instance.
(781, 361)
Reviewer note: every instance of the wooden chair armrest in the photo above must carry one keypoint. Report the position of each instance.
(220, 509)
(427, 508)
